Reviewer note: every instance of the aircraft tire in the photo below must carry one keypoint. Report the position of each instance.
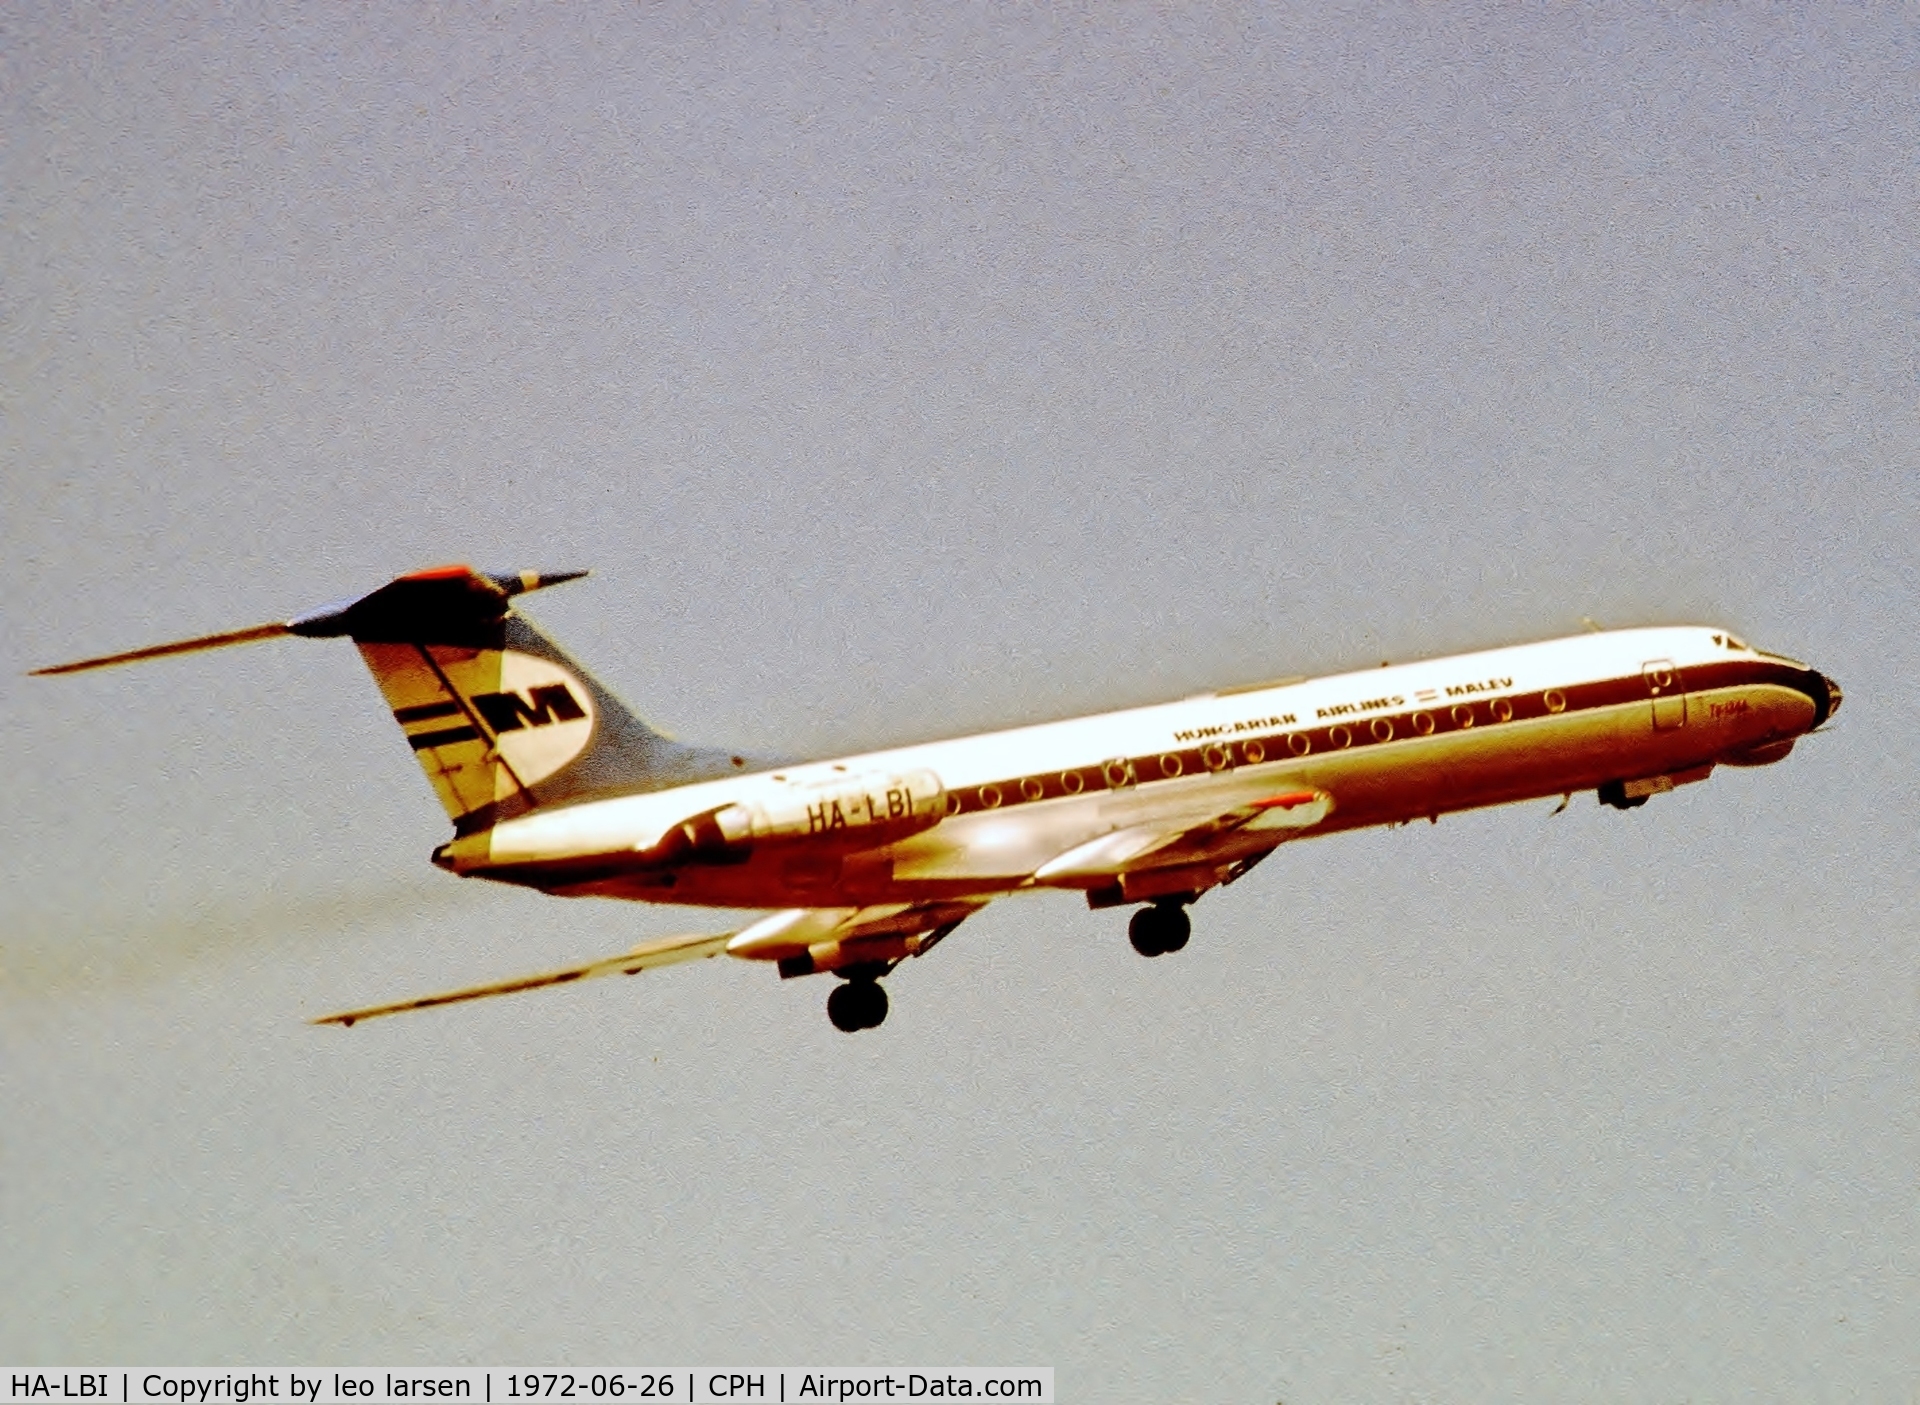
(1146, 932)
(1175, 927)
(857, 1005)
(843, 1008)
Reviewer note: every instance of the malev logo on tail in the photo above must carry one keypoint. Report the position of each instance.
(508, 712)
(540, 715)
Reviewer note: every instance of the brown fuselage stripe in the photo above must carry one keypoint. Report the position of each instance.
(425, 711)
(447, 737)
(1357, 733)
(1275, 744)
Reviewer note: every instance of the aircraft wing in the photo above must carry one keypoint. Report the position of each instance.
(819, 938)
(1274, 819)
(668, 951)
(1228, 837)
(808, 939)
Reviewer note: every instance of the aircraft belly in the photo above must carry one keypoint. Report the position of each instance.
(1735, 719)
(1493, 765)
(1529, 760)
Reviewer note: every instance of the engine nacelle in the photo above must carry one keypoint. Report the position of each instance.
(846, 812)
(871, 809)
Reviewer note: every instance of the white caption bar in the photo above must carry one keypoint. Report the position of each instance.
(682, 1385)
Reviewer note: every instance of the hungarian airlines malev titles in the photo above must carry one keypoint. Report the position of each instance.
(864, 861)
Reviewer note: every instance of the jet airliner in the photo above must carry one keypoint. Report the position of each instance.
(862, 862)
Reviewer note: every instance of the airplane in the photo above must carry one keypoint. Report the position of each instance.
(864, 861)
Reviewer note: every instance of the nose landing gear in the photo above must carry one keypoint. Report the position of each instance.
(1614, 793)
(857, 1004)
(1164, 927)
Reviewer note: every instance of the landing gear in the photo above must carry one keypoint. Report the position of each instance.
(1614, 793)
(1159, 929)
(858, 1004)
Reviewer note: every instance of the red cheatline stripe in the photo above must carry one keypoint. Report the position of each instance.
(1288, 801)
(1324, 737)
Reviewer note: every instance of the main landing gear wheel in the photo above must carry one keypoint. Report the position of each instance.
(857, 1005)
(1159, 929)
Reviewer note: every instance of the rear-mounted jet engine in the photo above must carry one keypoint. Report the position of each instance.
(846, 813)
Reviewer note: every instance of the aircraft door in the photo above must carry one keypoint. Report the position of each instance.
(1669, 696)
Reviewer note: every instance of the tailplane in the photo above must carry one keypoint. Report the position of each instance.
(501, 720)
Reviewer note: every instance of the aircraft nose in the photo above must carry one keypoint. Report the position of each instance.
(1826, 696)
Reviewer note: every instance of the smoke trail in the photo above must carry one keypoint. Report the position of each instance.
(67, 953)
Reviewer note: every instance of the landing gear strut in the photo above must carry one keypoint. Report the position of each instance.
(1159, 929)
(859, 1003)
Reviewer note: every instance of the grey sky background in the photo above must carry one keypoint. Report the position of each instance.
(902, 372)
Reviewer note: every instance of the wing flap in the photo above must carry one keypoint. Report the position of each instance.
(1105, 856)
(668, 951)
(830, 937)
(1113, 856)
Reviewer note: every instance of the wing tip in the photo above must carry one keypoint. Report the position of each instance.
(663, 952)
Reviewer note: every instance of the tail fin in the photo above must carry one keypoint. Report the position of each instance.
(502, 721)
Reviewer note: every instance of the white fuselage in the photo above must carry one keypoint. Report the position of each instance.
(1645, 707)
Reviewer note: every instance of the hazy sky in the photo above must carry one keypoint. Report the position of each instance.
(901, 372)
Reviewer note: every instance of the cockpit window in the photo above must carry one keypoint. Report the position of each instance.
(1728, 641)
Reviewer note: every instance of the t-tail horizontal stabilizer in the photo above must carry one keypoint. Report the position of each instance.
(160, 651)
(442, 591)
(499, 718)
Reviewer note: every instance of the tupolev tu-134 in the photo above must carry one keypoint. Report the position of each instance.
(864, 861)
